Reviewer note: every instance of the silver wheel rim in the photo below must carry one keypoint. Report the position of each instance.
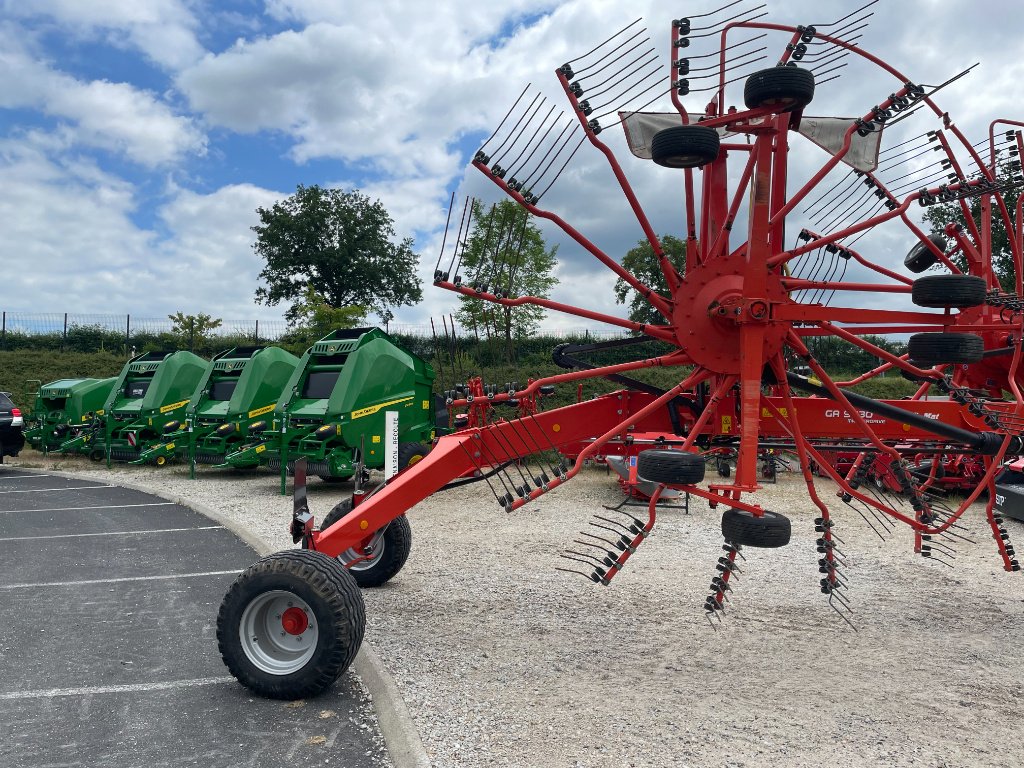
(268, 643)
(375, 554)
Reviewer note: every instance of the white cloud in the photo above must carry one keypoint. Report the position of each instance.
(119, 117)
(164, 30)
(61, 221)
(341, 93)
(206, 262)
(113, 116)
(80, 249)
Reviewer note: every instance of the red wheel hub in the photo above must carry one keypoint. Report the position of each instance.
(711, 306)
(294, 621)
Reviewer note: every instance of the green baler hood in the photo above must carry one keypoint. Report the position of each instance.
(258, 376)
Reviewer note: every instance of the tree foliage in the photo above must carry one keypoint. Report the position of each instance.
(314, 318)
(506, 251)
(938, 216)
(341, 243)
(193, 330)
(643, 264)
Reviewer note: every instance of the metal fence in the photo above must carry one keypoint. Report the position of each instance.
(49, 323)
(91, 332)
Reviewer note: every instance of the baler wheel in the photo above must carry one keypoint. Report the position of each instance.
(160, 460)
(410, 453)
(685, 146)
(389, 555)
(788, 87)
(921, 257)
(670, 467)
(770, 530)
(935, 348)
(291, 624)
(96, 454)
(940, 291)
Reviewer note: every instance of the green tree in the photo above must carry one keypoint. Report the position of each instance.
(193, 330)
(314, 318)
(506, 251)
(641, 262)
(340, 242)
(938, 216)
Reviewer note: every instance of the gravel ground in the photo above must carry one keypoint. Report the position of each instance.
(504, 661)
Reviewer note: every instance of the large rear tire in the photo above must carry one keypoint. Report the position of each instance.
(388, 555)
(291, 624)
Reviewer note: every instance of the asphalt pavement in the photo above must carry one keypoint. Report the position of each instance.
(108, 650)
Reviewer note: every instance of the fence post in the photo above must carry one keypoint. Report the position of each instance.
(127, 334)
(64, 340)
(192, 335)
(256, 339)
(3, 334)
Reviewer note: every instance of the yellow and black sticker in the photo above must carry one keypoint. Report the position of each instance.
(261, 411)
(374, 408)
(170, 446)
(375, 439)
(173, 406)
(726, 424)
(426, 405)
(260, 448)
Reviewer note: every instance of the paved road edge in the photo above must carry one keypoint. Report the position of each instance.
(396, 724)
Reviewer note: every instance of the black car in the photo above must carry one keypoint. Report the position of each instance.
(11, 422)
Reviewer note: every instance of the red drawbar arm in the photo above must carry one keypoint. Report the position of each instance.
(456, 454)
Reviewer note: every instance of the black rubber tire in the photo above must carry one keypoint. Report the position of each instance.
(921, 257)
(397, 544)
(685, 146)
(410, 453)
(670, 467)
(940, 291)
(769, 531)
(337, 606)
(934, 348)
(97, 454)
(788, 87)
(723, 467)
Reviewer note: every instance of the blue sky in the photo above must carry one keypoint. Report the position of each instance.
(138, 137)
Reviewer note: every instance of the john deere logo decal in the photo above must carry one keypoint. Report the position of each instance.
(173, 406)
(374, 408)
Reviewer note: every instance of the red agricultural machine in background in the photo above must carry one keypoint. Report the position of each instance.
(772, 202)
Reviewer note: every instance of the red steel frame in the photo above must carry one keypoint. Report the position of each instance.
(734, 314)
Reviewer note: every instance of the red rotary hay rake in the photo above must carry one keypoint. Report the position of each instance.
(734, 324)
